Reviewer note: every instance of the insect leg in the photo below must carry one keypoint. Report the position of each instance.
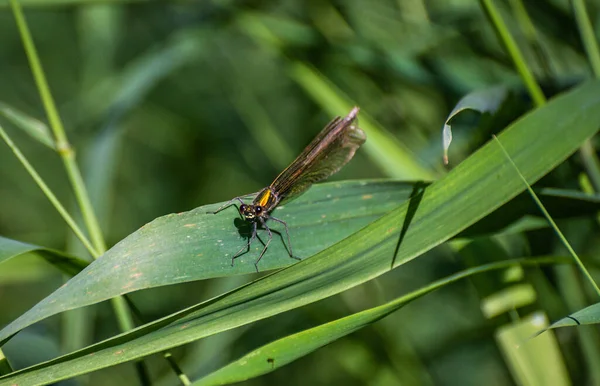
(287, 232)
(264, 224)
(247, 246)
(228, 204)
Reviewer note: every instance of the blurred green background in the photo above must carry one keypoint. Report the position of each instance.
(173, 105)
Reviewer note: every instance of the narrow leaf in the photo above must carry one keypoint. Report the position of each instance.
(283, 351)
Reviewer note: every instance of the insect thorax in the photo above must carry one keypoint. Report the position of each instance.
(267, 199)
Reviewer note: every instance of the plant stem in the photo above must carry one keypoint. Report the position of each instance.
(67, 154)
(513, 50)
(63, 146)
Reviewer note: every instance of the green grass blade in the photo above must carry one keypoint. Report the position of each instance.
(283, 351)
(560, 235)
(47, 192)
(536, 143)
(586, 30)
(64, 149)
(513, 50)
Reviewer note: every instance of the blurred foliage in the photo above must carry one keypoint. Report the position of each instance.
(173, 105)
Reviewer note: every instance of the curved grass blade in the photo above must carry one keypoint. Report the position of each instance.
(68, 264)
(286, 350)
(536, 143)
(483, 101)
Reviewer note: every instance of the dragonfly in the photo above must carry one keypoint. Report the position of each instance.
(328, 152)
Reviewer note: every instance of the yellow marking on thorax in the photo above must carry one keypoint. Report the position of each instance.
(265, 198)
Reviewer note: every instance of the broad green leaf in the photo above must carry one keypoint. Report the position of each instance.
(482, 183)
(198, 245)
(68, 264)
(283, 351)
(34, 127)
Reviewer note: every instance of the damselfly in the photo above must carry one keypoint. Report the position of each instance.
(333, 147)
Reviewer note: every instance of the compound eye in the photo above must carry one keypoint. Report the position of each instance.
(258, 209)
(243, 207)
